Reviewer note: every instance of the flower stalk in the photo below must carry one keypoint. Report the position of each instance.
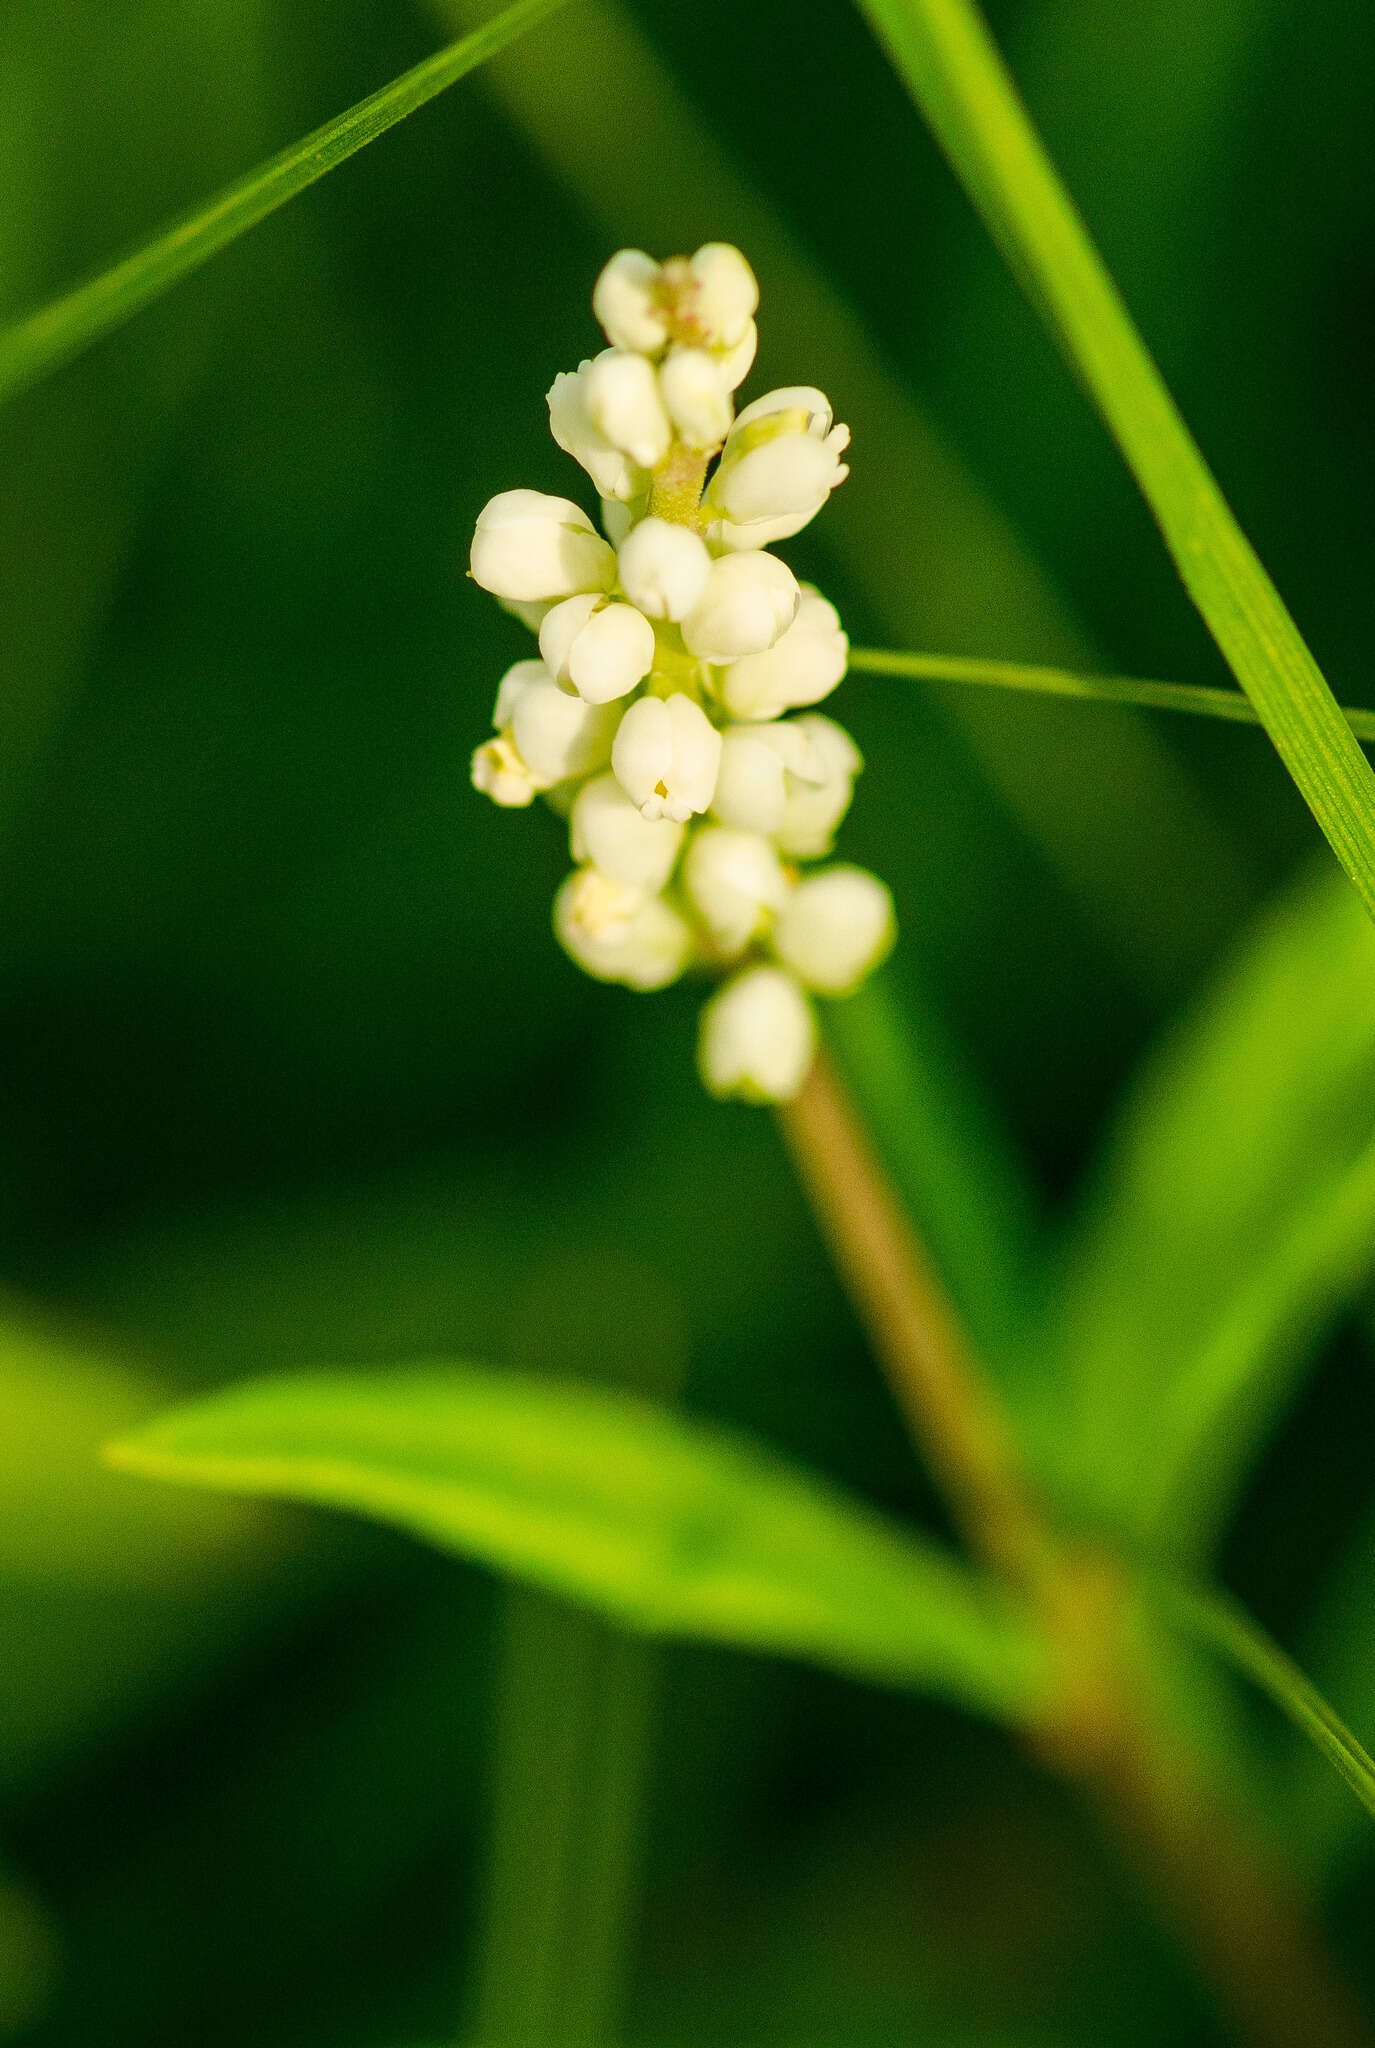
(1209, 1877)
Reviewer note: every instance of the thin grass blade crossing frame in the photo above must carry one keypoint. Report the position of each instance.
(944, 53)
(42, 342)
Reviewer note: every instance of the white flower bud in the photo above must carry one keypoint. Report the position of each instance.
(663, 568)
(757, 1038)
(697, 397)
(615, 933)
(818, 792)
(780, 463)
(801, 668)
(835, 928)
(599, 650)
(747, 603)
(666, 755)
(734, 881)
(616, 477)
(625, 405)
(625, 300)
(724, 294)
(555, 735)
(499, 773)
(529, 547)
(609, 831)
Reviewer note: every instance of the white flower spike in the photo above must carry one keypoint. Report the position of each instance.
(675, 650)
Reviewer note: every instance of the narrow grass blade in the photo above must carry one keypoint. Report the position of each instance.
(55, 333)
(1213, 1619)
(944, 53)
(1059, 682)
(667, 1526)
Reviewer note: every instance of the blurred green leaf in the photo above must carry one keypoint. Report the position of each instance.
(64, 1522)
(948, 60)
(1232, 1215)
(57, 332)
(1058, 682)
(665, 1525)
(1217, 1621)
(28, 1955)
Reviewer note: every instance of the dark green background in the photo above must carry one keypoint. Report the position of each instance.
(291, 1068)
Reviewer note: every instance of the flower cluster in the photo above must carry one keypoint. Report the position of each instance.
(669, 717)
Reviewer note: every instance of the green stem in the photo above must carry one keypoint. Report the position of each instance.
(575, 1721)
(1058, 682)
(1248, 1932)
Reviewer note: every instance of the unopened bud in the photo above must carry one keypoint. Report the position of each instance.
(747, 603)
(835, 928)
(757, 1038)
(529, 547)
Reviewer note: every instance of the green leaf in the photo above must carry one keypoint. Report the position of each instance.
(1211, 1618)
(32, 347)
(668, 1526)
(1232, 1215)
(1030, 677)
(943, 51)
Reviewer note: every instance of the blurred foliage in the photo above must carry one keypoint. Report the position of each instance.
(291, 1070)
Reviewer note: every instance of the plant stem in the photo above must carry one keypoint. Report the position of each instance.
(1248, 1933)
(575, 1716)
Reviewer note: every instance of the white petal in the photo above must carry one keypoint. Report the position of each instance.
(609, 831)
(697, 397)
(725, 293)
(612, 654)
(512, 688)
(642, 755)
(561, 736)
(813, 808)
(625, 405)
(696, 756)
(617, 478)
(624, 301)
(757, 1038)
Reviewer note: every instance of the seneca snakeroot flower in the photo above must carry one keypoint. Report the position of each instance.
(675, 652)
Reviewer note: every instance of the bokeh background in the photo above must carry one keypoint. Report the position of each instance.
(292, 1071)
